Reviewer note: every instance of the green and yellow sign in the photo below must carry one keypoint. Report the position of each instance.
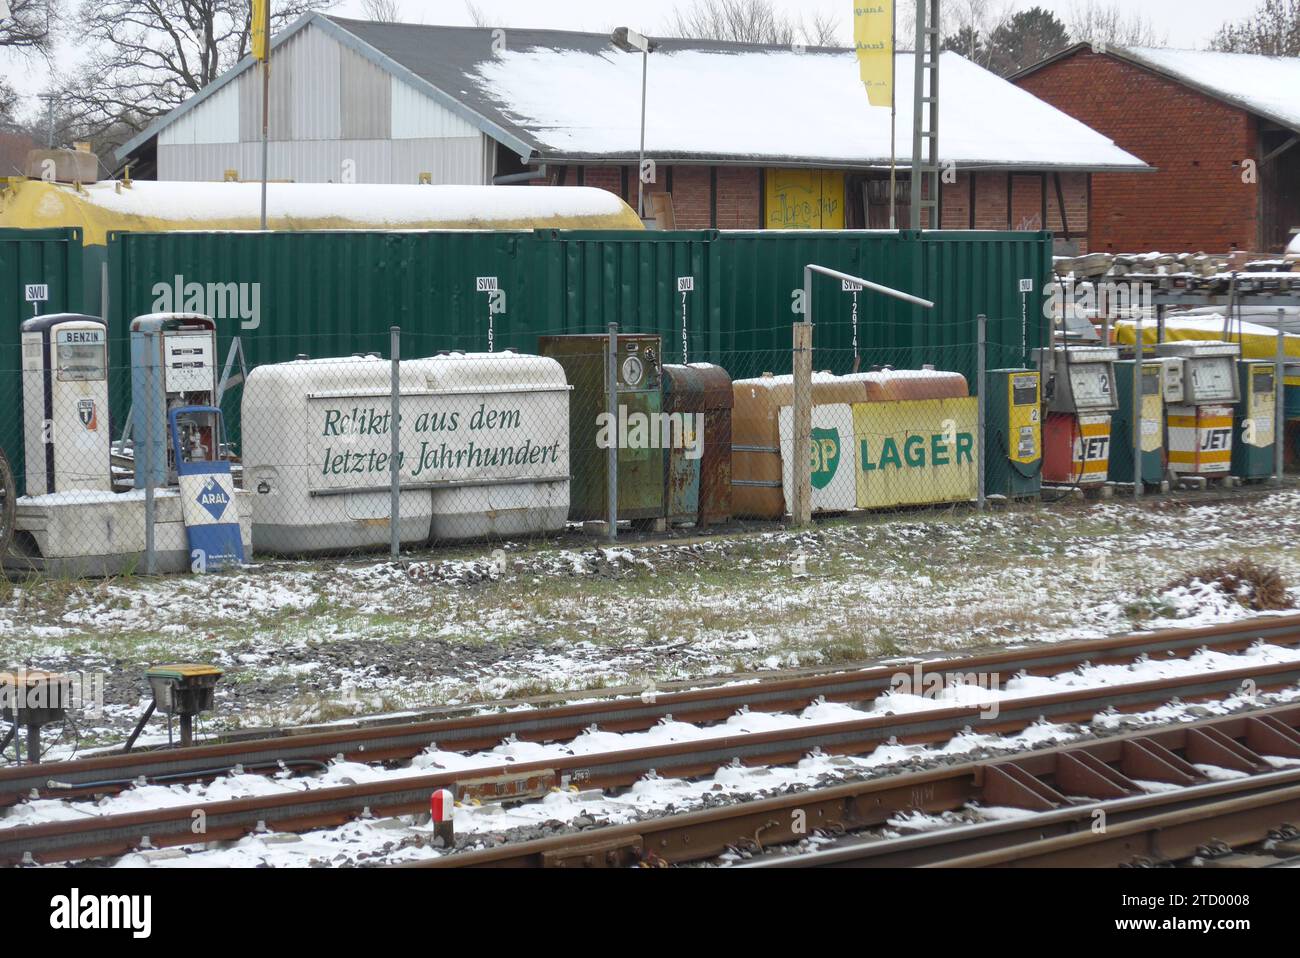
(915, 452)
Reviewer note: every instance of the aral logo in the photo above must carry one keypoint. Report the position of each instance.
(825, 456)
(214, 499)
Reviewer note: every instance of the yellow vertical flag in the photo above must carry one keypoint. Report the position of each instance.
(873, 38)
(261, 25)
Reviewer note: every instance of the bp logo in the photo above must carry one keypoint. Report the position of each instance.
(213, 498)
(825, 456)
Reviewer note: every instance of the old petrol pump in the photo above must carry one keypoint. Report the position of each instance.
(207, 488)
(1014, 460)
(1150, 421)
(173, 364)
(1079, 393)
(1200, 387)
(67, 442)
(1256, 420)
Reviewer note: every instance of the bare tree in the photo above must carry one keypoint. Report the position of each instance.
(476, 14)
(147, 56)
(749, 21)
(1099, 23)
(29, 24)
(382, 11)
(1273, 29)
(26, 29)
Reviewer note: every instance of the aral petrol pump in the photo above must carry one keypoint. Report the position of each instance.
(1255, 425)
(67, 440)
(173, 364)
(1200, 388)
(207, 488)
(1148, 420)
(1014, 451)
(1079, 393)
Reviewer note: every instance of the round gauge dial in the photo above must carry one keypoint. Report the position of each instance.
(633, 370)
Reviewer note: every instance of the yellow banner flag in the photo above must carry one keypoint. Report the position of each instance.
(873, 38)
(261, 29)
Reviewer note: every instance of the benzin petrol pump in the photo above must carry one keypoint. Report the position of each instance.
(1256, 420)
(1201, 387)
(1151, 425)
(1079, 393)
(173, 364)
(1014, 460)
(67, 442)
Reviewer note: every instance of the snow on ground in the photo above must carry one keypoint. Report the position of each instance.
(653, 794)
(409, 838)
(317, 641)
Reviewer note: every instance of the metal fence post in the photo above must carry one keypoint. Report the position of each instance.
(150, 553)
(1279, 412)
(801, 431)
(395, 435)
(981, 324)
(611, 452)
(1136, 414)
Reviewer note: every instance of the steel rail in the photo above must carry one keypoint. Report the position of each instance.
(755, 825)
(1174, 836)
(98, 835)
(1000, 842)
(390, 742)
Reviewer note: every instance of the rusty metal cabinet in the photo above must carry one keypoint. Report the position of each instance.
(697, 475)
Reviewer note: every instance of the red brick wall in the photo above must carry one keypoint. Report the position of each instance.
(738, 197)
(1197, 200)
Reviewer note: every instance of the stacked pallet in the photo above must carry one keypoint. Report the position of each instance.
(1207, 272)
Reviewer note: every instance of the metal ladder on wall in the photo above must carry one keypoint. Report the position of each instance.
(925, 115)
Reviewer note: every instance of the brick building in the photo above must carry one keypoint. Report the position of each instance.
(740, 136)
(1221, 129)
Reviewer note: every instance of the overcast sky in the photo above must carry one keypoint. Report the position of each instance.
(1186, 23)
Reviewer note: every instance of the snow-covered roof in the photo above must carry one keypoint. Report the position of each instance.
(567, 96)
(775, 104)
(1264, 85)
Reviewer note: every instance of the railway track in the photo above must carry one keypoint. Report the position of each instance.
(1068, 789)
(99, 835)
(396, 742)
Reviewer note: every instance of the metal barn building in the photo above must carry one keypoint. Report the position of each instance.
(742, 136)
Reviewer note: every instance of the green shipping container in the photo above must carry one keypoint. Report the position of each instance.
(723, 297)
(52, 258)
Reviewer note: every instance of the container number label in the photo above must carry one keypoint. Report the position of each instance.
(485, 284)
(1026, 286)
(37, 292)
(685, 284)
(848, 286)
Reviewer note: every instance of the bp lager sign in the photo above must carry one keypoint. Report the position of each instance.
(831, 453)
(916, 451)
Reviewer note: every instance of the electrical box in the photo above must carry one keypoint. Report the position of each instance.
(66, 430)
(1256, 420)
(1200, 402)
(173, 364)
(638, 429)
(1151, 424)
(1014, 447)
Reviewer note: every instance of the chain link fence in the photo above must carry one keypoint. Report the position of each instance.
(178, 462)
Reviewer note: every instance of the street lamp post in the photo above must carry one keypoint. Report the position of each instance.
(629, 41)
